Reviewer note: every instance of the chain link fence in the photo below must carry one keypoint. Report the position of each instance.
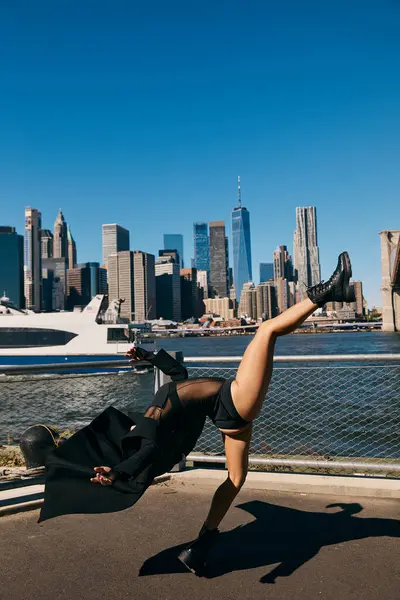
(336, 417)
(319, 417)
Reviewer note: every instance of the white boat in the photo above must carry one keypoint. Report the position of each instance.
(89, 335)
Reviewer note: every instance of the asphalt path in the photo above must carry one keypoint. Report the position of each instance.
(272, 545)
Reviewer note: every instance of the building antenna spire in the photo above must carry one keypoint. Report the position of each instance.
(239, 196)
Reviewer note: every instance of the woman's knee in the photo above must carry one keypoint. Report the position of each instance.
(269, 329)
(237, 479)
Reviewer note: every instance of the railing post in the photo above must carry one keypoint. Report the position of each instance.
(160, 379)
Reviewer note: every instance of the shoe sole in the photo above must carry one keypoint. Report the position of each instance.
(348, 292)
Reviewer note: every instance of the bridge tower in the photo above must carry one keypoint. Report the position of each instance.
(390, 262)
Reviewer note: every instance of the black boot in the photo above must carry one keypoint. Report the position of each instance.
(337, 288)
(194, 557)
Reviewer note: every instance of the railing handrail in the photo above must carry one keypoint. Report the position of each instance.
(302, 358)
(67, 366)
(123, 363)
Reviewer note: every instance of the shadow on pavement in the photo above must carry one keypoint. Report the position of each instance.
(278, 535)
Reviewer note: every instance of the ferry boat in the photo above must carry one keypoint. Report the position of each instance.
(92, 334)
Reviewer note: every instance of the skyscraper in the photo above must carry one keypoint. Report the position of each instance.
(202, 282)
(248, 301)
(266, 272)
(283, 266)
(145, 286)
(242, 271)
(266, 301)
(33, 259)
(168, 288)
(12, 265)
(47, 243)
(78, 286)
(218, 259)
(174, 241)
(60, 240)
(97, 278)
(121, 282)
(201, 247)
(114, 239)
(306, 252)
(189, 293)
(54, 273)
(71, 254)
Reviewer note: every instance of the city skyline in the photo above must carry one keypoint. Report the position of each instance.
(117, 230)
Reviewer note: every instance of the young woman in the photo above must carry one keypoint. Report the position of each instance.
(231, 404)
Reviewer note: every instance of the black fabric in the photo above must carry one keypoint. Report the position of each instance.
(169, 428)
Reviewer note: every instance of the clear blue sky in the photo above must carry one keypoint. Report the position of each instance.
(144, 113)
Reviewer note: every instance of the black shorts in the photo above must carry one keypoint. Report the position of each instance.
(225, 415)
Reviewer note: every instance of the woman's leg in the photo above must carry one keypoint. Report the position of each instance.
(237, 458)
(255, 370)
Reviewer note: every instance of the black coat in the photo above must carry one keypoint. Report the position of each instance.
(138, 456)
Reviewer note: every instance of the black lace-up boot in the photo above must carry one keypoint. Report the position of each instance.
(194, 557)
(337, 288)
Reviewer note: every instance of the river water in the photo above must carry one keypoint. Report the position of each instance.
(310, 409)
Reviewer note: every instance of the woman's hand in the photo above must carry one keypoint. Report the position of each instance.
(137, 354)
(104, 476)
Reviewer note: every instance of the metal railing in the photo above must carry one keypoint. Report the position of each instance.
(330, 413)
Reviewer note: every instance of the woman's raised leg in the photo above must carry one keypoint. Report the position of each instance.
(255, 370)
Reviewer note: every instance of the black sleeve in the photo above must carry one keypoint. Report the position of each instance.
(168, 365)
(132, 466)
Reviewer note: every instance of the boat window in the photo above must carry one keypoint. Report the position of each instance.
(116, 334)
(29, 337)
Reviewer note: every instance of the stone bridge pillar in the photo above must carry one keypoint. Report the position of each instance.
(390, 259)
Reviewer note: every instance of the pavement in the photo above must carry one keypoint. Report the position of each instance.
(275, 545)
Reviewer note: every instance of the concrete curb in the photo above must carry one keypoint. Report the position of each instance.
(373, 487)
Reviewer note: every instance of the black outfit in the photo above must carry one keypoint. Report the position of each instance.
(169, 428)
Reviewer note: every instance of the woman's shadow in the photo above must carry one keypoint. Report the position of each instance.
(278, 535)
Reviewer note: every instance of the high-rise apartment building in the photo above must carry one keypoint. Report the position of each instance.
(168, 288)
(60, 240)
(33, 259)
(114, 239)
(266, 301)
(306, 252)
(121, 282)
(71, 246)
(174, 241)
(12, 265)
(266, 272)
(145, 286)
(46, 237)
(218, 259)
(241, 244)
(201, 247)
(248, 301)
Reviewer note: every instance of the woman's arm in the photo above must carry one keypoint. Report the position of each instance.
(162, 360)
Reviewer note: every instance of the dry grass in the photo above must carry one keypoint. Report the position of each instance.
(11, 456)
